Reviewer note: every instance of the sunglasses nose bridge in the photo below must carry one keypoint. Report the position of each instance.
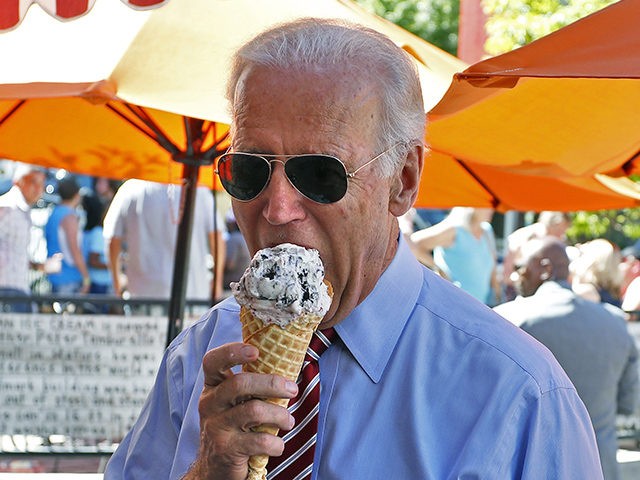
(273, 173)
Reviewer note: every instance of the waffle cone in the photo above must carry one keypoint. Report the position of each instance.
(282, 352)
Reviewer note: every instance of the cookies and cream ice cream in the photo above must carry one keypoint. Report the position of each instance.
(283, 282)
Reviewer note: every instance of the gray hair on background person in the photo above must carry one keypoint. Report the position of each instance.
(309, 43)
(22, 170)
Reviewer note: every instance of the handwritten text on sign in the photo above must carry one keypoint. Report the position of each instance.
(83, 376)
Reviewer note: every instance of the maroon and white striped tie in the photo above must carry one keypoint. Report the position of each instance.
(296, 461)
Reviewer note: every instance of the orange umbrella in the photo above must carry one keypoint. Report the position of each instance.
(551, 125)
(62, 82)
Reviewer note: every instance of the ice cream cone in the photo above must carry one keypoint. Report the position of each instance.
(282, 352)
(283, 297)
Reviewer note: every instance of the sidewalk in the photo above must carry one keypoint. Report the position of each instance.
(629, 461)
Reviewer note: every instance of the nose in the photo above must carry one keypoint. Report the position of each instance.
(283, 201)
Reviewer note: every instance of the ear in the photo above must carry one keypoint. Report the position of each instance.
(404, 188)
(547, 270)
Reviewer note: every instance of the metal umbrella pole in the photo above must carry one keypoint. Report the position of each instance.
(181, 259)
(192, 159)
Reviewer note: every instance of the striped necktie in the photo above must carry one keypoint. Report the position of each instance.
(296, 461)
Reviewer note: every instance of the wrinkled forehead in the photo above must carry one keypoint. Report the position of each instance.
(329, 100)
(337, 88)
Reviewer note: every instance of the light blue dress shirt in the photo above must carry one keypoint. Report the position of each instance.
(424, 383)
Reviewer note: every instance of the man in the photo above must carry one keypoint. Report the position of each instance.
(590, 340)
(142, 220)
(422, 381)
(15, 233)
(549, 224)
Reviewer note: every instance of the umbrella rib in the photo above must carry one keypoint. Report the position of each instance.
(145, 124)
(212, 152)
(494, 198)
(161, 138)
(13, 110)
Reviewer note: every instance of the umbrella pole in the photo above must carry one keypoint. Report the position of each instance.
(181, 259)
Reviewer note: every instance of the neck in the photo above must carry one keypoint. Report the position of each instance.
(357, 289)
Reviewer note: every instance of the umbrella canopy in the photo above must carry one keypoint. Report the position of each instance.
(551, 125)
(126, 94)
(171, 63)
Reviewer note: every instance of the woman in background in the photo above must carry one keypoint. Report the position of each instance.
(596, 273)
(463, 247)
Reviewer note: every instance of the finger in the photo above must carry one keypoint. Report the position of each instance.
(234, 447)
(217, 362)
(256, 413)
(240, 388)
(253, 443)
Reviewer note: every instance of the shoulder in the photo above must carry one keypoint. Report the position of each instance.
(486, 339)
(631, 299)
(219, 325)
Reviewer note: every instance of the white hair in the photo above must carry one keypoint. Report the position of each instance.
(304, 44)
(22, 170)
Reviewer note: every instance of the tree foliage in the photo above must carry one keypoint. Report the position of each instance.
(514, 23)
(435, 21)
(511, 24)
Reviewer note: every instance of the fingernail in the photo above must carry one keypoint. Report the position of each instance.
(291, 387)
(292, 421)
(248, 351)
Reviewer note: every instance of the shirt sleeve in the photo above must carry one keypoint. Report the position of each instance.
(559, 439)
(147, 450)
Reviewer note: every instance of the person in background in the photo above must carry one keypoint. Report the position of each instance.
(549, 224)
(420, 380)
(93, 245)
(595, 272)
(630, 289)
(142, 222)
(63, 235)
(590, 340)
(464, 249)
(237, 255)
(105, 189)
(15, 233)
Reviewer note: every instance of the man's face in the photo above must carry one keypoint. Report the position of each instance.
(529, 275)
(296, 113)
(32, 186)
(558, 230)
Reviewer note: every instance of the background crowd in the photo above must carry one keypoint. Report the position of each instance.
(106, 237)
(101, 236)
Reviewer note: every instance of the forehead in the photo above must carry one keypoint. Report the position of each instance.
(301, 109)
(35, 176)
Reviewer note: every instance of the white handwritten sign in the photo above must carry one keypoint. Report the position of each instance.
(83, 376)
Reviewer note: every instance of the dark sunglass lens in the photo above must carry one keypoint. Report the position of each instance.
(318, 177)
(243, 176)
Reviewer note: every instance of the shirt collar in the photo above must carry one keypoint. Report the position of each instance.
(373, 328)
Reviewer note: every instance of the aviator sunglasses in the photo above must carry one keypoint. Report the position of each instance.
(321, 178)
